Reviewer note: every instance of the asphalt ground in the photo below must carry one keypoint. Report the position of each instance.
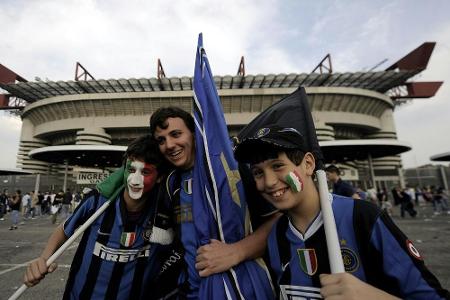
(430, 234)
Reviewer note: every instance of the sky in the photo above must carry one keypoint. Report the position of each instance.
(124, 39)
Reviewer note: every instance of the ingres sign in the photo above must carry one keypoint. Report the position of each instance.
(91, 178)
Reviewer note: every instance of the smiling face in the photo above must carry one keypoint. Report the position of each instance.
(176, 143)
(273, 178)
(140, 177)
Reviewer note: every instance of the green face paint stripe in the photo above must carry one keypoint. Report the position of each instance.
(126, 172)
(294, 182)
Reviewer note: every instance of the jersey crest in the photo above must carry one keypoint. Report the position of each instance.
(127, 239)
(308, 260)
(350, 259)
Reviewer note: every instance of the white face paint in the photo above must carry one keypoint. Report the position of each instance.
(135, 181)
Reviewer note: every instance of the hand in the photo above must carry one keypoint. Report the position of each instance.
(36, 271)
(216, 257)
(346, 286)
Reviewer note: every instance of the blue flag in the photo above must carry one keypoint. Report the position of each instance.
(219, 207)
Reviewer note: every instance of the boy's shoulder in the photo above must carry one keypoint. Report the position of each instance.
(347, 207)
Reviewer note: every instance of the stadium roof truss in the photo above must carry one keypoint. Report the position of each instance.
(380, 81)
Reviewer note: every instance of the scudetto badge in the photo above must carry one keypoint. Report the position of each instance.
(308, 260)
(350, 259)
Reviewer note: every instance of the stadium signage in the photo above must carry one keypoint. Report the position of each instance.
(91, 178)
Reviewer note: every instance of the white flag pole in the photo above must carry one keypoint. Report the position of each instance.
(334, 250)
(66, 244)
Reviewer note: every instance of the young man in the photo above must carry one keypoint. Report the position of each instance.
(173, 129)
(117, 257)
(14, 205)
(340, 187)
(380, 262)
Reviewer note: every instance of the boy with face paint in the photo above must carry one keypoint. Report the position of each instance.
(380, 262)
(118, 255)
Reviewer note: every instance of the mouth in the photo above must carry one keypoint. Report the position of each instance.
(135, 189)
(278, 193)
(175, 155)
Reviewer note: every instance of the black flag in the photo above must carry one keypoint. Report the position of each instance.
(291, 111)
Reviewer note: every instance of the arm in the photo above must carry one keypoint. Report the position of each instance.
(37, 269)
(218, 257)
(346, 286)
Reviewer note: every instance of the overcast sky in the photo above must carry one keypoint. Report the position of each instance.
(124, 39)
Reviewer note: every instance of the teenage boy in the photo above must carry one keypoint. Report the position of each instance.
(173, 129)
(117, 257)
(380, 262)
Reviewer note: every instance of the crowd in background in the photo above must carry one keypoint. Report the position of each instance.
(30, 205)
(23, 206)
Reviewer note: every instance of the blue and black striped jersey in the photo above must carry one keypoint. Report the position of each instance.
(114, 259)
(373, 249)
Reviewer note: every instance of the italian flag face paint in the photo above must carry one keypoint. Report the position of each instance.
(139, 177)
(294, 180)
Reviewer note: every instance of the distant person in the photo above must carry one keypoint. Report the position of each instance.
(66, 204)
(404, 199)
(3, 204)
(56, 206)
(340, 187)
(14, 205)
(26, 205)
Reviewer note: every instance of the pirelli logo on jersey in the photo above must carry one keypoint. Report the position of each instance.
(120, 255)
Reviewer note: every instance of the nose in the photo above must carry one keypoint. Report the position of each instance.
(170, 143)
(270, 179)
(135, 179)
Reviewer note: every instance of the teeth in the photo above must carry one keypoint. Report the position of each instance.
(278, 193)
(175, 154)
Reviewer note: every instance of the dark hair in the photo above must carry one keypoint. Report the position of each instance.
(267, 151)
(333, 169)
(145, 148)
(160, 116)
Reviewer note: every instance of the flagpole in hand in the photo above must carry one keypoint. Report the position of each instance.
(329, 224)
(67, 243)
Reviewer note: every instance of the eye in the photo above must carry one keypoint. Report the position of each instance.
(131, 170)
(147, 172)
(257, 173)
(277, 165)
(176, 134)
(160, 140)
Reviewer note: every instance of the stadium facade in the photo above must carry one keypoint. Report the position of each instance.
(345, 107)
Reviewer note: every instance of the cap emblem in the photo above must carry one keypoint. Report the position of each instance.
(262, 132)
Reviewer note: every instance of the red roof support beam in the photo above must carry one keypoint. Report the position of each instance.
(419, 90)
(416, 60)
(241, 69)
(8, 76)
(79, 74)
(322, 65)
(160, 72)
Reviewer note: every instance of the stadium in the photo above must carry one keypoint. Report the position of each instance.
(83, 126)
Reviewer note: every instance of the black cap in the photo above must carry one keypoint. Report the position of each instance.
(272, 135)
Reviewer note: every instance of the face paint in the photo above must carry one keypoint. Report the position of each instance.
(140, 177)
(294, 181)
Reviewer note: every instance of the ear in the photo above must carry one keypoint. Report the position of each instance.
(310, 163)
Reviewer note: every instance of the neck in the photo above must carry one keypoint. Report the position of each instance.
(307, 209)
(134, 205)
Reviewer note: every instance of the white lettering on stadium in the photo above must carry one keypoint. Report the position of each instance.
(120, 255)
